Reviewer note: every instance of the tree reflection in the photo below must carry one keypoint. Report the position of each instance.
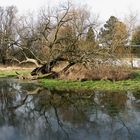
(113, 102)
(38, 113)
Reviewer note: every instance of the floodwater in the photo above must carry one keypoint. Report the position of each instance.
(30, 112)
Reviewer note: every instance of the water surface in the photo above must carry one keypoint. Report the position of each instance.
(30, 112)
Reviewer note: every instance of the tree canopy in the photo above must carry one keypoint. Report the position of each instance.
(107, 31)
(114, 34)
(136, 36)
(90, 37)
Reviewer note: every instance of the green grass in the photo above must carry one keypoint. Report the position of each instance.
(124, 85)
(11, 73)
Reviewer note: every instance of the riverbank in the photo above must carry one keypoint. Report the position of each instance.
(11, 71)
(55, 84)
(105, 85)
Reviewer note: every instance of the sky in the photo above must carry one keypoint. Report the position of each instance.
(105, 8)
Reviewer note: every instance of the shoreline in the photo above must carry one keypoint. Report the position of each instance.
(56, 84)
(15, 68)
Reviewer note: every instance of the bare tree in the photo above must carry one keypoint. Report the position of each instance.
(131, 21)
(7, 31)
(55, 36)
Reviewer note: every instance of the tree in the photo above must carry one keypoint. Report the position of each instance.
(136, 36)
(55, 36)
(131, 21)
(114, 34)
(28, 43)
(90, 35)
(120, 37)
(106, 33)
(7, 31)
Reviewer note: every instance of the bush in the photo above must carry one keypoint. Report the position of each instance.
(102, 72)
(109, 72)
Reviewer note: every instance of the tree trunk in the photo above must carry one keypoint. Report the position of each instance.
(3, 61)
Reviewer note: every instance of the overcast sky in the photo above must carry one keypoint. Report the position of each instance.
(105, 8)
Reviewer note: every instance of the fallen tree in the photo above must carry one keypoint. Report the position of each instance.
(60, 34)
(59, 37)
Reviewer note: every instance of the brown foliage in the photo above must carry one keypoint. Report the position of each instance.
(113, 73)
(103, 72)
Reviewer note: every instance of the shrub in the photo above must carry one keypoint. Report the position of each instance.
(102, 72)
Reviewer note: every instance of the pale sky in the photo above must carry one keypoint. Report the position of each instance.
(105, 8)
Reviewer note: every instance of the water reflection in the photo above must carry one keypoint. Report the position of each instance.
(29, 112)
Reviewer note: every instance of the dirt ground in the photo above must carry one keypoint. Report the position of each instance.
(15, 68)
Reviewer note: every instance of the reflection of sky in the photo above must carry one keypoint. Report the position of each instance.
(9, 133)
(28, 122)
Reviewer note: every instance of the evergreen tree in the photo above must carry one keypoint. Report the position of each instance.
(106, 33)
(114, 34)
(136, 37)
(90, 35)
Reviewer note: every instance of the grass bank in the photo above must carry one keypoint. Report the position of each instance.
(12, 72)
(124, 85)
